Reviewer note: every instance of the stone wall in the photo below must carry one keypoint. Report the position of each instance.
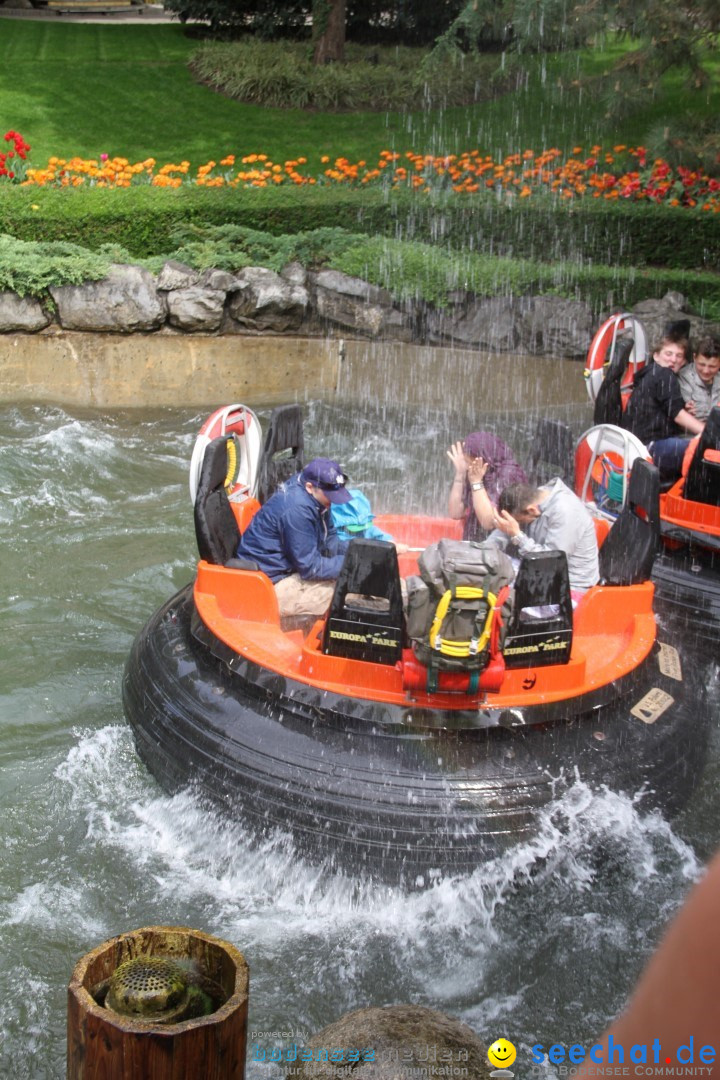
(257, 301)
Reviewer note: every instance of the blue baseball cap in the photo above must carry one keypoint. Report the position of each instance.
(328, 476)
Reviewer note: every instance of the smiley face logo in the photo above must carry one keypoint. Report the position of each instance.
(502, 1054)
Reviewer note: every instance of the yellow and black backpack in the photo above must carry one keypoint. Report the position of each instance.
(458, 606)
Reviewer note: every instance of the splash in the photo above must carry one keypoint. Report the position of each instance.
(197, 851)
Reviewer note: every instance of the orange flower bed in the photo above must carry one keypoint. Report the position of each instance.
(623, 173)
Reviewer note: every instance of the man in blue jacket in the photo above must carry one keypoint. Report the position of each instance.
(293, 540)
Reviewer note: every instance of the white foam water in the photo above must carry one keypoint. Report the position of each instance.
(319, 943)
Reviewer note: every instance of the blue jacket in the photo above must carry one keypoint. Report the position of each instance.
(293, 534)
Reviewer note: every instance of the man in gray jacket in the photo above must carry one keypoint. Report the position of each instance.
(549, 518)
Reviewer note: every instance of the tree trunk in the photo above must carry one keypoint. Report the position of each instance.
(105, 1045)
(328, 31)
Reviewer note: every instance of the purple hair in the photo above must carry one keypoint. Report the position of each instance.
(503, 470)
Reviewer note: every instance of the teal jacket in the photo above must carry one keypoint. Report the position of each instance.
(355, 519)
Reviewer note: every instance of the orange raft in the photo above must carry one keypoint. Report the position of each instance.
(335, 734)
(686, 572)
(613, 632)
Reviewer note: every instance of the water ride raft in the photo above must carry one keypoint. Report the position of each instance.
(336, 734)
(686, 571)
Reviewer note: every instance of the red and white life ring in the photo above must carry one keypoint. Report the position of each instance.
(602, 350)
(601, 448)
(242, 422)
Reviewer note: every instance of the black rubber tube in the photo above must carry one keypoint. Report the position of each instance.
(354, 786)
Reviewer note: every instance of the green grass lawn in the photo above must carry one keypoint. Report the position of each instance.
(91, 89)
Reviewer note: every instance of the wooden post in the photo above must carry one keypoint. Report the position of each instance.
(103, 1045)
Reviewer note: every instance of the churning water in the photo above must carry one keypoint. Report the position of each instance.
(541, 945)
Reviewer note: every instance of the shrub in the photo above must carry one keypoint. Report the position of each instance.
(144, 220)
(231, 247)
(259, 73)
(419, 271)
(30, 268)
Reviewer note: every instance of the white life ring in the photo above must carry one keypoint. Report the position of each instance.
(602, 350)
(606, 440)
(242, 422)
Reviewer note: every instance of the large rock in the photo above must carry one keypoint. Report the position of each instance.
(656, 314)
(196, 309)
(672, 305)
(554, 326)
(123, 302)
(176, 275)
(488, 323)
(357, 305)
(366, 319)
(396, 326)
(336, 282)
(21, 313)
(219, 279)
(407, 1042)
(266, 301)
(295, 273)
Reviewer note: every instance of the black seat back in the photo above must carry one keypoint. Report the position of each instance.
(365, 621)
(540, 628)
(553, 452)
(215, 526)
(284, 433)
(702, 483)
(629, 550)
(608, 403)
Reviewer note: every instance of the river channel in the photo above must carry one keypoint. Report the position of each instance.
(539, 946)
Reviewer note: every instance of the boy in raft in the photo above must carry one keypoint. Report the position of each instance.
(700, 381)
(549, 518)
(355, 519)
(482, 463)
(293, 540)
(656, 411)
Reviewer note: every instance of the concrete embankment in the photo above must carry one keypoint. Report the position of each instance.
(116, 370)
(73, 368)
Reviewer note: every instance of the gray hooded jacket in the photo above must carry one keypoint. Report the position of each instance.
(564, 525)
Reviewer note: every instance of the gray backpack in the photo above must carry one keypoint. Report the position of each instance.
(457, 607)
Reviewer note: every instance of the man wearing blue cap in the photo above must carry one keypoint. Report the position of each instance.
(293, 540)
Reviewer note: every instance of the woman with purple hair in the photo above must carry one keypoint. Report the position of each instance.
(483, 462)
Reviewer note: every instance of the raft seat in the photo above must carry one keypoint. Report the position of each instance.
(216, 529)
(282, 456)
(243, 596)
(552, 452)
(702, 483)
(365, 620)
(628, 554)
(543, 587)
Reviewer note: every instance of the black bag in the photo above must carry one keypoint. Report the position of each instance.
(455, 604)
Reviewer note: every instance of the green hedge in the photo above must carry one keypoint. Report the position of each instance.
(410, 270)
(143, 220)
